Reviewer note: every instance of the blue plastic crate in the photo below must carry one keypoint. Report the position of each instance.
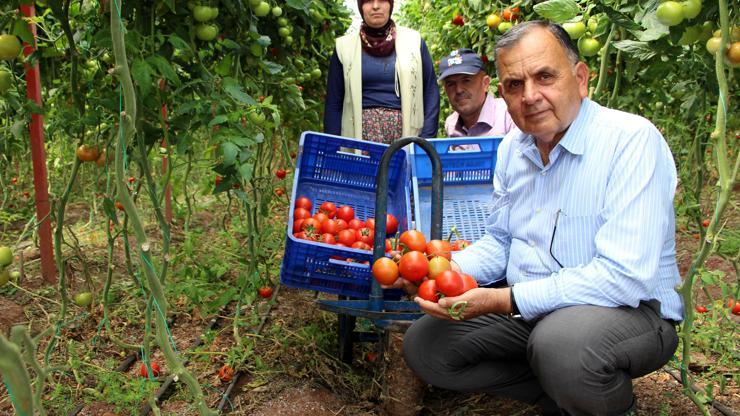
(467, 169)
(342, 171)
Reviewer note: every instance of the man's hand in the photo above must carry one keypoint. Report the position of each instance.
(401, 283)
(479, 301)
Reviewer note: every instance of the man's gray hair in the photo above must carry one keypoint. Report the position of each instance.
(512, 36)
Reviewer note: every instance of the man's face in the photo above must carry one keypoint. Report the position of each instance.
(542, 88)
(376, 13)
(467, 93)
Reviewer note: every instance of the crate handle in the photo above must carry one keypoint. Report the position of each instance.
(459, 148)
(349, 263)
(353, 152)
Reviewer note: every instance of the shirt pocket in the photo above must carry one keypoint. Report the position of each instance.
(573, 239)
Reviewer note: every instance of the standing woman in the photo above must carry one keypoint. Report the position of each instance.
(381, 83)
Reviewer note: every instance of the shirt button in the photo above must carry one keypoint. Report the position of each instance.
(531, 243)
(538, 210)
(543, 173)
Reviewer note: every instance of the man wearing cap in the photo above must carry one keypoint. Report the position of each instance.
(477, 112)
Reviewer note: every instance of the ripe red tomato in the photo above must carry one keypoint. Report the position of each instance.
(510, 13)
(265, 292)
(87, 153)
(736, 309)
(391, 224)
(329, 227)
(439, 248)
(469, 282)
(413, 266)
(458, 20)
(701, 309)
(226, 373)
(460, 245)
(143, 372)
(320, 217)
(311, 225)
(329, 209)
(346, 213)
(361, 245)
(365, 235)
(218, 180)
(385, 271)
(355, 224)
(428, 291)
(279, 192)
(303, 202)
(341, 224)
(280, 173)
(297, 224)
(347, 237)
(327, 238)
(450, 283)
(705, 223)
(370, 223)
(301, 213)
(413, 240)
(120, 206)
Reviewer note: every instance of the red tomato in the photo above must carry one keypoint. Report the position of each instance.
(311, 225)
(705, 223)
(413, 266)
(365, 235)
(355, 224)
(329, 227)
(297, 225)
(265, 292)
(226, 373)
(120, 206)
(279, 192)
(218, 180)
(413, 240)
(347, 237)
(439, 248)
(460, 245)
(329, 209)
(385, 271)
(736, 309)
(450, 284)
(280, 173)
(370, 223)
(327, 238)
(361, 245)
(469, 282)
(301, 235)
(301, 213)
(145, 373)
(388, 246)
(341, 224)
(428, 291)
(701, 309)
(320, 217)
(346, 213)
(303, 202)
(391, 224)
(510, 14)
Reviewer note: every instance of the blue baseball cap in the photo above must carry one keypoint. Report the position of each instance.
(460, 61)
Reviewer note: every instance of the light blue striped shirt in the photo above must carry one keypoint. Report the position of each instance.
(612, 179)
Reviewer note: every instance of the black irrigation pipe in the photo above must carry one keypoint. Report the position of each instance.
(225, 397)
(125, 364)
(719, 406)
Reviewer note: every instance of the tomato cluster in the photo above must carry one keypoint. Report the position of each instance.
(414, 259)
(336, 225)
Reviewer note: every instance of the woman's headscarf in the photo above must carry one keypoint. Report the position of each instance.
(377, 42)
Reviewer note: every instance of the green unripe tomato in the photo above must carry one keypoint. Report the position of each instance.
(588, 46)
(83, 299)
(255, 3)
(593, 24)
(206, 32)
(316, 73)
(690, 8)
(4, 277)
(15, 275)
(670, 13)
(289, 40)
(284, 32)
(282, 22)
(262, 9)
(10, 47)
(6, 256)
(575, 29)
(713, 45)
(6, 81)
(504, 26)
(202, 13)
(214, 12)
(257, 117)
(277, 11)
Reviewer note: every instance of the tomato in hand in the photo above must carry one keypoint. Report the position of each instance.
(413, 240)
(439, 248)
(303, 202)
(413, 266)
(346, 213)
(450, 284)
(460, 245)
(428, 291)
(265, 292)
(437, 265)
(329, 209)
(469, 282)
(145, 373)
(385, 271)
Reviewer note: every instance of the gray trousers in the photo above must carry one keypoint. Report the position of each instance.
(582, 357)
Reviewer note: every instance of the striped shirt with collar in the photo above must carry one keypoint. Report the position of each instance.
(602, 208)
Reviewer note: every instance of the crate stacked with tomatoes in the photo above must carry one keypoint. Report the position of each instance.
(330, 228)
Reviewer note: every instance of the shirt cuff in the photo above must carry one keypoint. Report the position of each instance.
(536, 298)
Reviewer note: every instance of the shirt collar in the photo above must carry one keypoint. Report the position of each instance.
(486, 113)
(574, 139)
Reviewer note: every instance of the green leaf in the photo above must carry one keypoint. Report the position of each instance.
(264, 40)
(20, 29)
(165, 68)
(235, 91)
(219, 119)
(621, 19)
(171, 5)
(558, 11)
(639, 50)
(178, 43)
(245, 170)
(298, 4)
(230, 151)
(142, 74)
(271, 67)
